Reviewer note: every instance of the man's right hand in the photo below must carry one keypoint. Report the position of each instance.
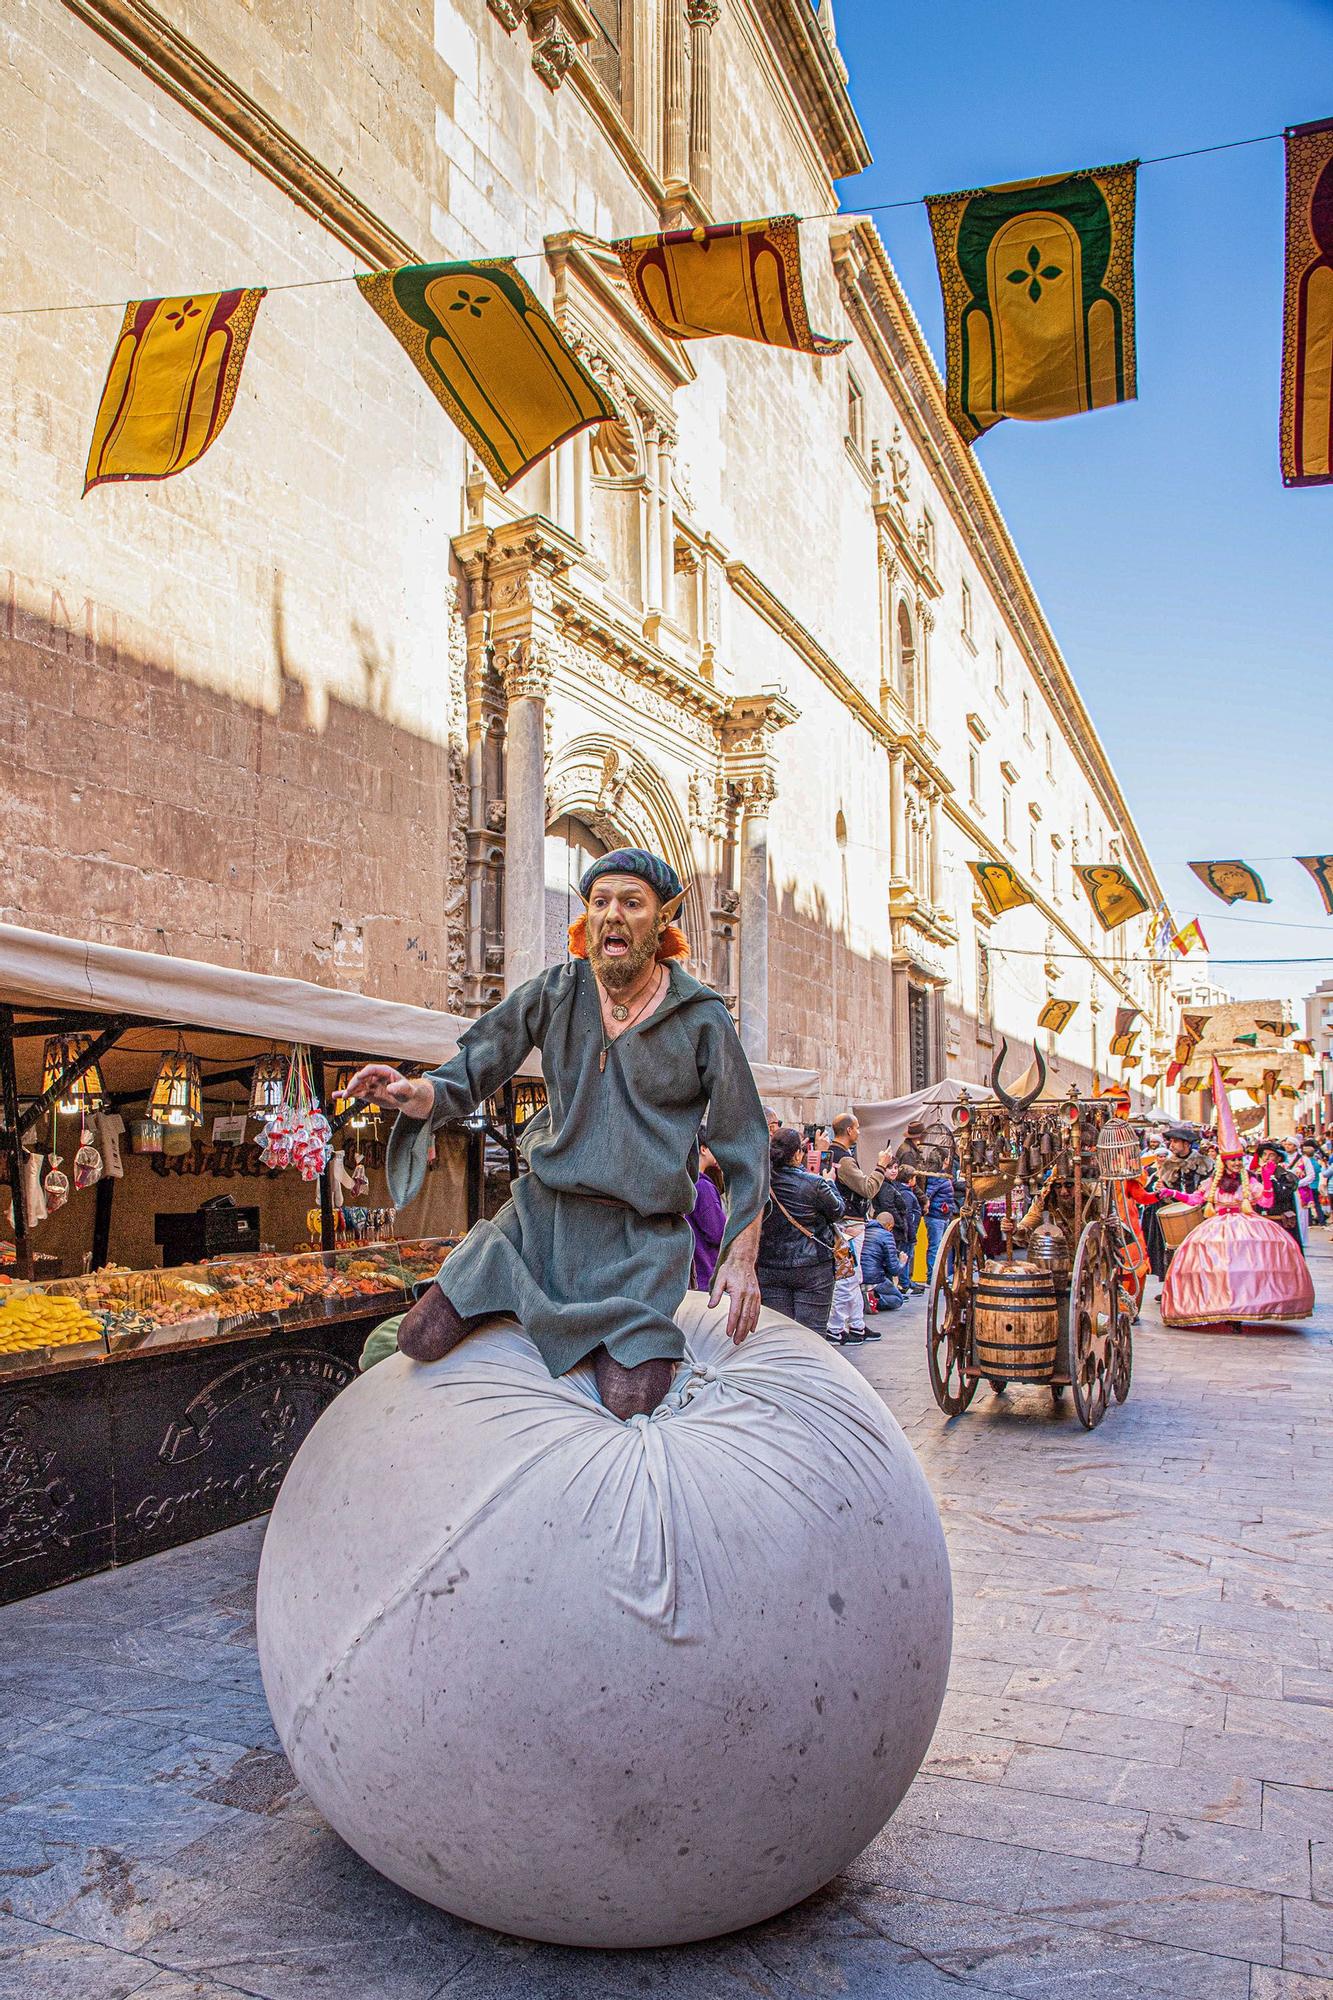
(380, 1083)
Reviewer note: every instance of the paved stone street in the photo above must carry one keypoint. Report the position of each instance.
(1130, 1793)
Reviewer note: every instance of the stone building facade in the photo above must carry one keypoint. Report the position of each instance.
(332, 704)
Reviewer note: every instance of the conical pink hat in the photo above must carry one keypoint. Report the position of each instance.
(1228, 1142)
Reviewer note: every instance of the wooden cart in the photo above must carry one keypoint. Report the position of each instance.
(1048, 1290)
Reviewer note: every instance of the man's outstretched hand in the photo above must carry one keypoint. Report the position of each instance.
(380, 1083)
(736, 1277)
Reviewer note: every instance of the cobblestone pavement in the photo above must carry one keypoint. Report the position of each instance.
(1130, 1793)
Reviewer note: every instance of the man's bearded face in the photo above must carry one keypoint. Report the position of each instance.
(624, 928)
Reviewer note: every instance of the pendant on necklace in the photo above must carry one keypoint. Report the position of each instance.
(601, 1062)
(620, 1012)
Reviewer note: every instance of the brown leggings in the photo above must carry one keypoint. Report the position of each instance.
(432, 1328)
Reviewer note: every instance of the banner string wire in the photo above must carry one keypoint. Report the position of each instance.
(523, 256)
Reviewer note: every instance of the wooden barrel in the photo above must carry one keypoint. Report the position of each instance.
(1014, 1322)
(1177, 1219)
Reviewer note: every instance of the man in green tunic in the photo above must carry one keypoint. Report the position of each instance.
(592, 1252)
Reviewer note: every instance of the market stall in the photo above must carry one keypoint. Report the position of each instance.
(199, 1237)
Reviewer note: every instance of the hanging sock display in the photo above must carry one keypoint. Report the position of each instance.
(998, 886)
(1056, 1015)
(739, 278)
(171, 385)
(1038, 285)
(1114, 894)
(492, 357)
(1307, 314)
(1232, 881)
(1320, 869)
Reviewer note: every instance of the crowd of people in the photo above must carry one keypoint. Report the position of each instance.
(838, 1242)
(837, 1249)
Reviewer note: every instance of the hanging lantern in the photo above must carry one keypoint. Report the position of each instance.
(88, 1092)
(361, 1114)
(177, 1097)
(268, 1084)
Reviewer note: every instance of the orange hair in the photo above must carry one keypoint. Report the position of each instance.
(673, 944)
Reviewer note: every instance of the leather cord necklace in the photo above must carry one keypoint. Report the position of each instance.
(621, 1013)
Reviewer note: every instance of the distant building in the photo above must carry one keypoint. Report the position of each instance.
(1317, 1098)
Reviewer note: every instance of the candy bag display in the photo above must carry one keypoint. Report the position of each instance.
(87, 1161)
(55, 1186)
(298, 1134)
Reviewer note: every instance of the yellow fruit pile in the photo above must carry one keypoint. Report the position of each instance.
(36, 1320)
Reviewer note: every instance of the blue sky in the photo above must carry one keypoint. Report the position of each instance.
(1191, 593)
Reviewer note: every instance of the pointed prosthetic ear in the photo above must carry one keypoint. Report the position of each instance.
(670, 910)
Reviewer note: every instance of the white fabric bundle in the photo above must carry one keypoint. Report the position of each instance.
(604, 1683)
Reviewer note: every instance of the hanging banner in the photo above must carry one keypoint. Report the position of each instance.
(1307, 309)
(1250, 1041)
(1123, 1044)
(1038, 285)
(1131, 1062)
(1115, 895)
(1303, 1047)
(739, 278)
(1056, 1015)
(1151, 1079)
(1185, 1047)
(1281, 1026)
(1320, 868)
(171, 384)
(1172, 1074)
(1193, 1024)
(1191, 938)
(1125, 1017)
(492, 357)
(998, 886)
(1232, 881)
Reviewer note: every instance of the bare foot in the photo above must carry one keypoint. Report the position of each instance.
(631, 1392)
(431, 1328)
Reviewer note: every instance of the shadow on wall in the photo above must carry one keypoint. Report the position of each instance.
(317, 839)
(830, 1006)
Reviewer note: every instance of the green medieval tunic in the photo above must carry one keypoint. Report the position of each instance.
(594, 1246)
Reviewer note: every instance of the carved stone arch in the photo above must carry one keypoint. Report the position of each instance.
(621, 798)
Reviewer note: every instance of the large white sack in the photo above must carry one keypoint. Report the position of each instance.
(605, 1683)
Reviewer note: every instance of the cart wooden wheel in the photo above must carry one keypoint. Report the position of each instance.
(948, 1311)
(1124, 1356)
(1098, 1311)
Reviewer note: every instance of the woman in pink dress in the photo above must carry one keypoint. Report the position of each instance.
(1237, 1266)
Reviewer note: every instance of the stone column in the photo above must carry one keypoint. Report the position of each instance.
(897, 825)
(527, 683)
(702, 16)
(674, 131)
(564, 488)
(652, 530)
(935, 873)
(666, 522)
(582, 487)
(756, 797)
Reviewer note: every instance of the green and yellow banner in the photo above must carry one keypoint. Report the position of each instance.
(999, 886)
(1038, 285)
(1056, 1015)
(1231, 881)
(492, 357)
(1114, 894)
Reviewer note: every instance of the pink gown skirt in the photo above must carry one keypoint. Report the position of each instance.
(1236, 1267)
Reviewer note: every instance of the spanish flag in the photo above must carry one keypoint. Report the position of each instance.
(1189, 938)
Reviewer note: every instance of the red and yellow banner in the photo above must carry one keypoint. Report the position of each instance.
(740, 278)
(171, 384)
(1307, 315)
(1189, 938)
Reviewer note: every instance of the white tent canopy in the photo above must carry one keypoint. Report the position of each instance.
(38, 969)
(778, 1085)
(883, 1125)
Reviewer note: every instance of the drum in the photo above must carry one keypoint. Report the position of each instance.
(1177, 1219)
(1014, 1322)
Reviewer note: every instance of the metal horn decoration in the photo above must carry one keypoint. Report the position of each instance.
(1017, 1104)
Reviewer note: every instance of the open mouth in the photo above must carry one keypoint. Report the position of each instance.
(615, 946)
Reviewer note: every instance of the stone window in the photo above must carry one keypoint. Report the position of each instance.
(605, 52)
(856, 415)
(1027, 716)
(974, 776)
(1050, 756)
(1006, 816)
(1055, 866)
(999, 668)
(927, 537)
(985, 1001)
(967, 609)
(1034, 854)
(904, 661)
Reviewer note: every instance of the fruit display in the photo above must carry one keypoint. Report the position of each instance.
(35, 1320)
